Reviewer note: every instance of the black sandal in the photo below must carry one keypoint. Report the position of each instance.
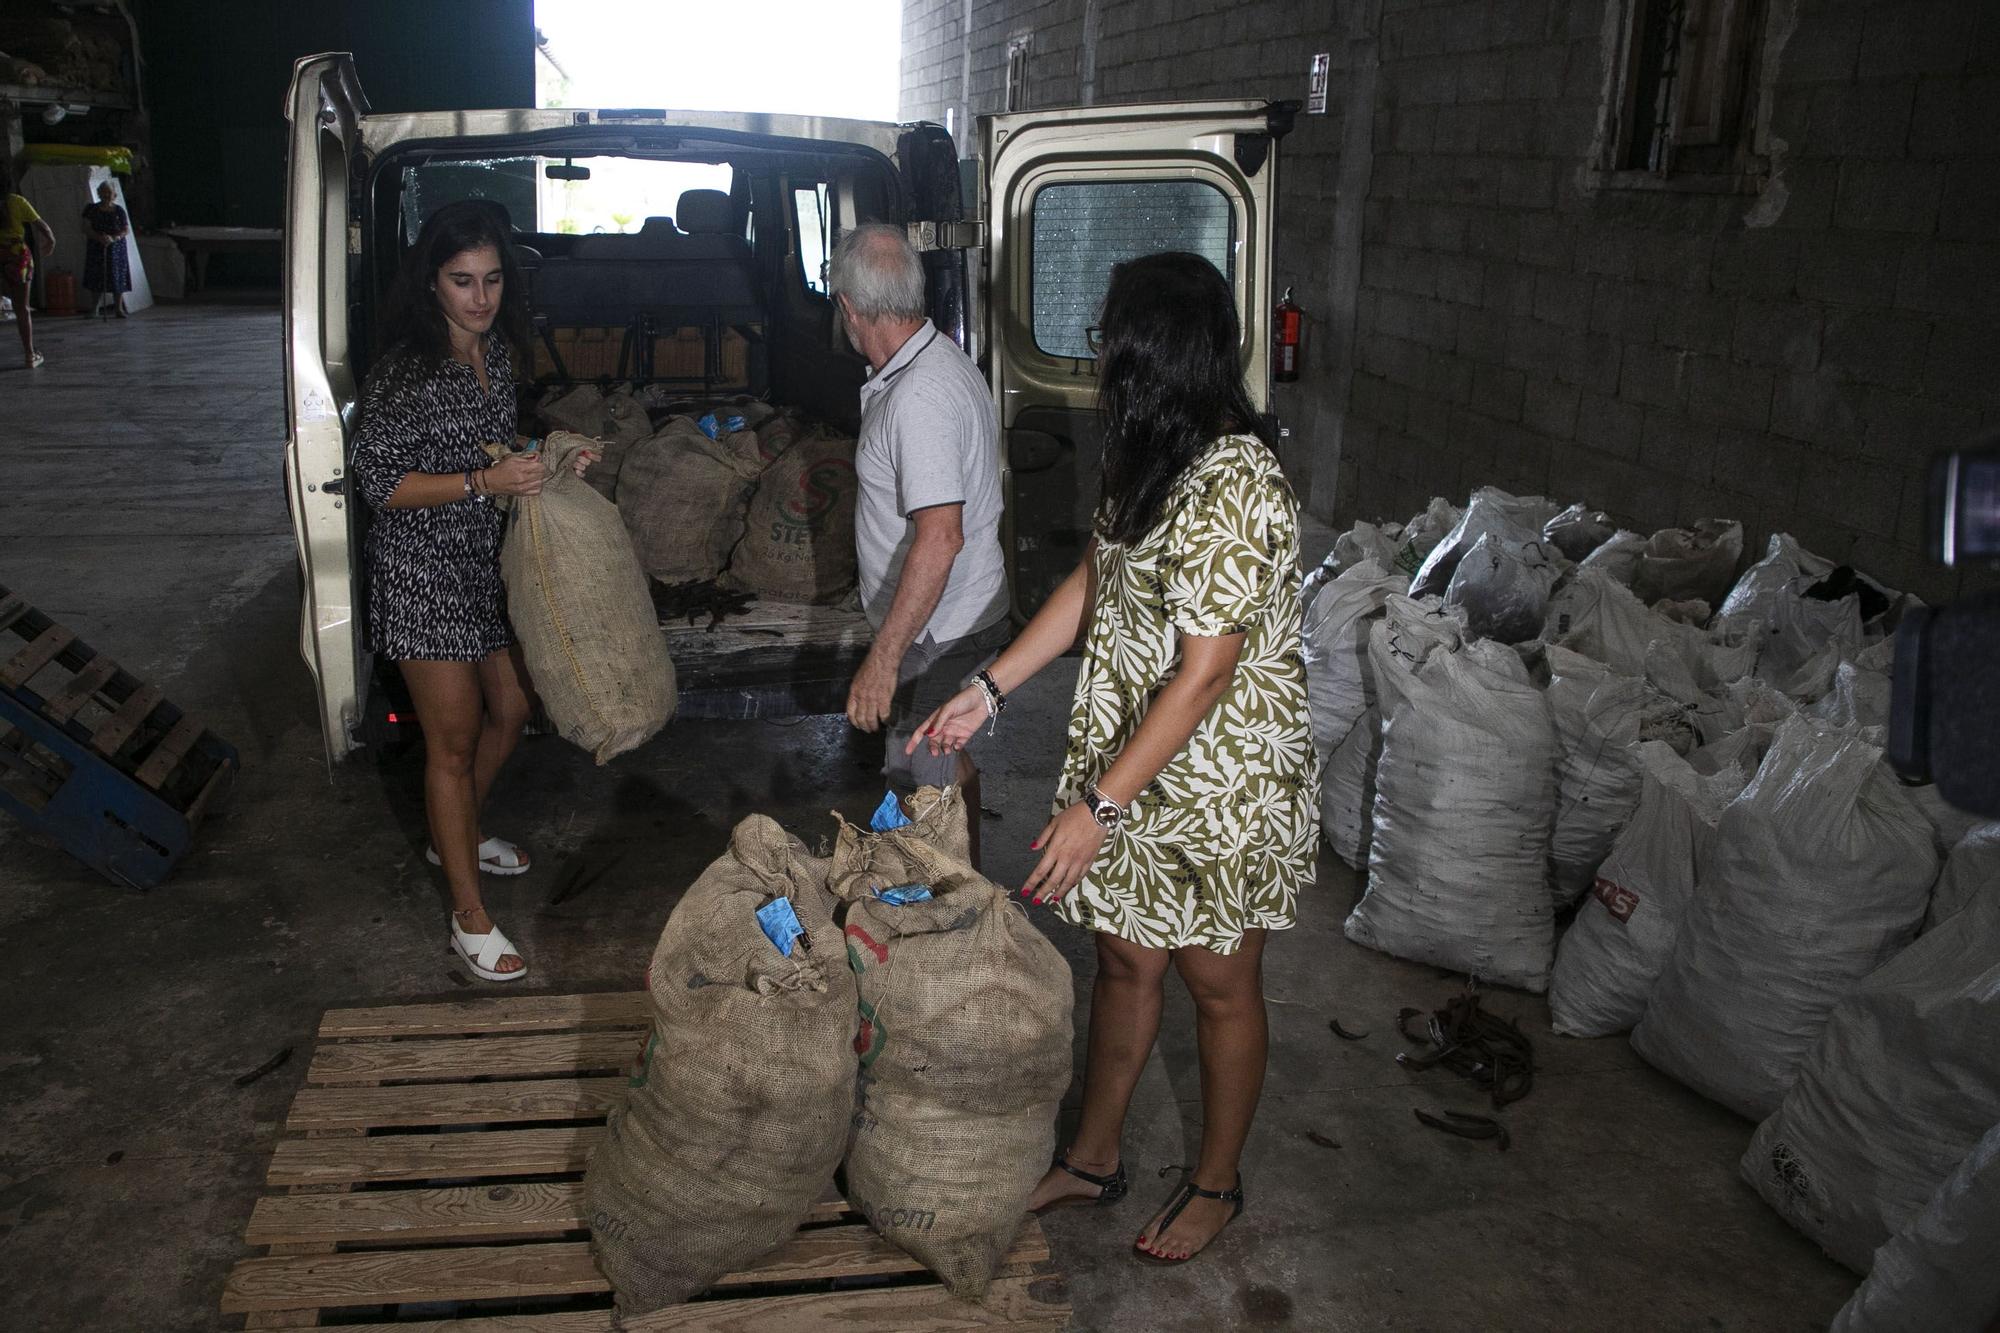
(1110, 1188)
(1177, 1203)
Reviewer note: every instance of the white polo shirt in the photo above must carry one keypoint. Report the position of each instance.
(929, 437)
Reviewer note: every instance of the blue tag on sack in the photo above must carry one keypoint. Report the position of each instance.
(904, 894)
(888, 815)
(780, 923)
(714, 426)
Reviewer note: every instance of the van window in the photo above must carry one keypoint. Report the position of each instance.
(1081, 229)
(619, 196)
(810, 205)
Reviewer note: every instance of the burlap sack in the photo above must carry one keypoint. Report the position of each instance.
(964, 1043)
(739, 1117)
(798, 542)
(683, 498)
(584, 615)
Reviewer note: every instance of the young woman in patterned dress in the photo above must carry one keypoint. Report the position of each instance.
(439, 394)
(1185, 820)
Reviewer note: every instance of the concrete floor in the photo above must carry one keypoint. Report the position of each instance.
(141, 505)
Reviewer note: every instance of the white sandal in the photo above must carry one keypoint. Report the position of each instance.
(482, 952)
(497, 856)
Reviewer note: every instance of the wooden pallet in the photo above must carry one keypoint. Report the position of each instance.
(432, 1178)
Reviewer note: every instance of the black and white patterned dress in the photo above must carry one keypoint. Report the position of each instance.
(434, 590)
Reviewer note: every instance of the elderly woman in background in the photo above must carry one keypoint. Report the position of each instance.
(107, 268)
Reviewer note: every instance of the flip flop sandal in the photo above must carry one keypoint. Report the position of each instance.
(1177, 1203)
(497, 856)
(482, 953)
(1111, 1188)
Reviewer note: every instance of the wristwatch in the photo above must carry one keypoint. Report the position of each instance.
(1110, 815)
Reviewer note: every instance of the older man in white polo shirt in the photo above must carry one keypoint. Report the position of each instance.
(927, 520)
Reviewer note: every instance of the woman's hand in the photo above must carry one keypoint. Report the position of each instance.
(515, 474)
(581, 460)
(948, 729)
(1072, 840)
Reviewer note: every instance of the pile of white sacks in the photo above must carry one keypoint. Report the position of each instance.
(1523, 712)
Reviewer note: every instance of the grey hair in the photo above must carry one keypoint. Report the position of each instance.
(876, 268)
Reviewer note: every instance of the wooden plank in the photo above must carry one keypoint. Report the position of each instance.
(1012, 1305)
(509, 1014)
(64, 703)
(38, 654)
(12, 607)
(384, 1157)
(474, 1057)
(462, 1213)
(455, 1104)
(118, 728)
(499, 1272)
(173, 747)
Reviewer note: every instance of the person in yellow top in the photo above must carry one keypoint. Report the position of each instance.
(17, 259)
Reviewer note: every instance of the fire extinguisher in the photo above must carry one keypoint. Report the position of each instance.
(1288, 335)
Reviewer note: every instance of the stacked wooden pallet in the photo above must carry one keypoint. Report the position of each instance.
(96, 758)
(433, 1173)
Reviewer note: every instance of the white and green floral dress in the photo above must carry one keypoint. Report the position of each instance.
(1225, 837)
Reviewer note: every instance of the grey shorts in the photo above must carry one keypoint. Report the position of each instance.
(930, 673)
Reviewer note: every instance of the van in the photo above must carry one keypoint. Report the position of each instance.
(730, 296)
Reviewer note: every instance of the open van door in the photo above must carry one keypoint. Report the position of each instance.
(322, 241)
(1067, 195)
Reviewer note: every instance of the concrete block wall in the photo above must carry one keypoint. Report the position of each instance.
(1486, 310)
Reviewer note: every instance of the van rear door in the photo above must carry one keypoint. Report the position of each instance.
(1068, 194)
(322, 242)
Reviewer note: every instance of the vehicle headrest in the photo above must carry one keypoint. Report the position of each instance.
(706, 212)
(658, 227)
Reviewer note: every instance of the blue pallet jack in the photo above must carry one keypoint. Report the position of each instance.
(95, 758)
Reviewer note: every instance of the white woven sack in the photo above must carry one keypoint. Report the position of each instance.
(1820, 873)
(1697, 562)
(1938, 1271)
(1347, 789)
(1492, 512)
(1618, 558)
(1339, 682)
(1755, 594)
(1896, 1092)
(1596, 713)
(1501, 587)
(1971, 871)
(1624, 932)
(1597, 616)
(1465, 792)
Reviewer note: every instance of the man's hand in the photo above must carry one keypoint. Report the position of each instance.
(870, 697)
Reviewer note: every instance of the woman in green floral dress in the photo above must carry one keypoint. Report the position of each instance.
(1185, 820)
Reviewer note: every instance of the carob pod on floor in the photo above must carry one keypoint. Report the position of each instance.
(1464, 1038)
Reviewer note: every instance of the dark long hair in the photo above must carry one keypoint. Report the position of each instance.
(413, 323)
(1168, 384)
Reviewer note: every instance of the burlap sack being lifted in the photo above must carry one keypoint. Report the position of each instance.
(583, 613)
(683, 498)
(740, 1116)
(798, 539)
(964, 1042)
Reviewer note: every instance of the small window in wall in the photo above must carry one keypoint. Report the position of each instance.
(811, 206)
(1081, 230)
(1684, 100)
